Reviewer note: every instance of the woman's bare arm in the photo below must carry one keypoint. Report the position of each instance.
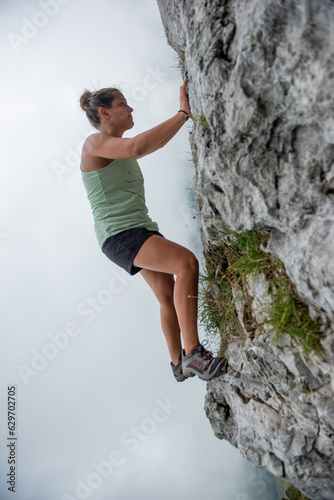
(105, 146)
(163, 143)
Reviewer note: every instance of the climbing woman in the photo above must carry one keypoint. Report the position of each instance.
(128, 236)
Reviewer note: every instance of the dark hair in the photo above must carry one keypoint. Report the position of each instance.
(92, 101)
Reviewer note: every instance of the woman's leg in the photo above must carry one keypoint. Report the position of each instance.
(162, 285)
(164, 256)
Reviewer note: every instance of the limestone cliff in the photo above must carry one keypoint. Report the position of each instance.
(261, 86)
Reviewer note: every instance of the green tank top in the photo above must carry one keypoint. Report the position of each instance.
(117, 198)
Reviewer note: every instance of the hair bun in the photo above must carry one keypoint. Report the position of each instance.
(84, 100)
(90, 102)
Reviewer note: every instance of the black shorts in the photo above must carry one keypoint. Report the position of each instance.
(123, 247)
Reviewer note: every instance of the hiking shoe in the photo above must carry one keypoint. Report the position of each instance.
(178, 372)
(200, 362)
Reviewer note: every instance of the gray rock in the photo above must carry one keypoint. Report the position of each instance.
(260, 73)
(260, 407)
(261, 92)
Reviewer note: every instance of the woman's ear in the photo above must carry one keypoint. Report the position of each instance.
(103, 113)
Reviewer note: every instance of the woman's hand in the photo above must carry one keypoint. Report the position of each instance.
(184, 104)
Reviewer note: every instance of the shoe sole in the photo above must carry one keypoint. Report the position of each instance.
(184, 376)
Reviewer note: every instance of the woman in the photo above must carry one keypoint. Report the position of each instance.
(126, 233)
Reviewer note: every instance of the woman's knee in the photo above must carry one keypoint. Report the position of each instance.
(189, 263)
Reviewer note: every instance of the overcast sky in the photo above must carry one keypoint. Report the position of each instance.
(98, 412)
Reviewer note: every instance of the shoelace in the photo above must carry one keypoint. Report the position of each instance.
(205, 353)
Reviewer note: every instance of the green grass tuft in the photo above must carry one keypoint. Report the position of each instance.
(293, 493)
(180, 62)
(228, 268)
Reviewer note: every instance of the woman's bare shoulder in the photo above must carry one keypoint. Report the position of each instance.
(90, 159)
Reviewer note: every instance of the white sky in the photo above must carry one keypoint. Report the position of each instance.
(106, 388)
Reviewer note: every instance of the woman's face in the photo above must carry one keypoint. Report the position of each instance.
(120, 112)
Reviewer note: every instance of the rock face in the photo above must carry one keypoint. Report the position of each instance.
(261, 86)
(279, 421)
